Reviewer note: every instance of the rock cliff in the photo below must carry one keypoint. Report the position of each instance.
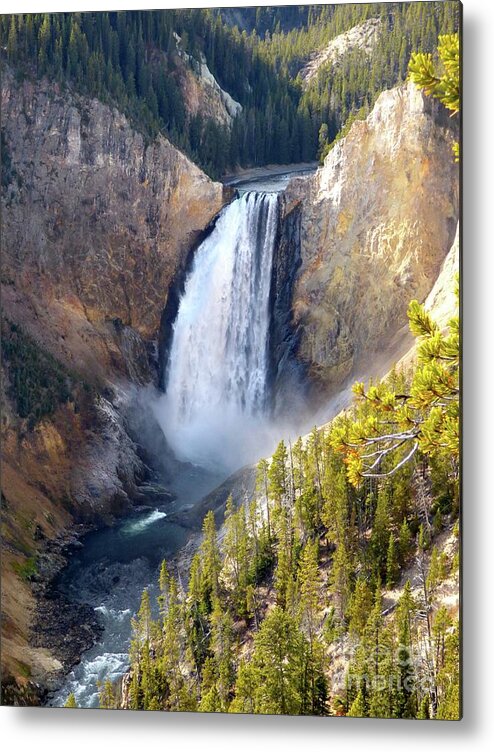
(201, 92)
(96, 223)
(377, 221)
(441, 302)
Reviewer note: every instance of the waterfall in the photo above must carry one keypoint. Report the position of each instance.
(215, 407)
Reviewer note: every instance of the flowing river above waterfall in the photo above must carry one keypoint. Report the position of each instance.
(215, 414)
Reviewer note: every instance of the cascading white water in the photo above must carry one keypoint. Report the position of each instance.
(214, 410)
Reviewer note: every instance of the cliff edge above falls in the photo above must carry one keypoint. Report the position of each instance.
(377, 221)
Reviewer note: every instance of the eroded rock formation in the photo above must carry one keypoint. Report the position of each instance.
(377, 221)
(96, 221)
(363, 37)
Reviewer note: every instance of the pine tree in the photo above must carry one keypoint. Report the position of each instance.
(358, 708)
(284, 582)
(427, 418)
(236, 554)
(196, 611)
(308, 589)
(277, 476)
(223, 651)
(448, 680)
(279, 660)
(247, 682)
(340, 577)
(12, 50)
(404, 543)
(107, 695)
(406, 699)
(391, 564)
(380, 531)
(172, 652)
(210, 560)
(262, 488)
(443, 84)
(360, 606)
(71, 701)
(164, 586)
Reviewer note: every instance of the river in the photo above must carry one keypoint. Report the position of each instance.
(109, 572)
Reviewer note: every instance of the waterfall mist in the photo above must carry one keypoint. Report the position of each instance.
(216, 408)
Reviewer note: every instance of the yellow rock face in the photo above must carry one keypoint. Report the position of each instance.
(378, 219)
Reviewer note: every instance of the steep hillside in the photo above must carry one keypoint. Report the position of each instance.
(203, 96)
(131, 60)
(362, 37)
(85, 192)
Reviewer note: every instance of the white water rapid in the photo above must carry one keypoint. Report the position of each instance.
(214, 410)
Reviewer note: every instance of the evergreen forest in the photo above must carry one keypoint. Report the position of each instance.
(132, 60)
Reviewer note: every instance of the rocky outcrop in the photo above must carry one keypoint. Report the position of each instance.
(363, 37)
(442, 301)
(377, 221)
(287, 376)
(201, 91)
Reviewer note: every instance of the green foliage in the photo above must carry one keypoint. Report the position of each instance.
(449, 705)
(424, 419)
(277, 474)
(131, 59)
(445, 85)
(236, 554)
(360, 606)
(347, 90)
(71, 701)
(26, 569)
(404, 543)
(38, 383)
(391, 564)
(255, 628)
(279, 663)
(308, 589)
(211, 562)
(441, 80)
(106, 695)
(358, 708)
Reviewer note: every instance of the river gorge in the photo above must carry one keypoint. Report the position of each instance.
(195, 324)
(216, 412)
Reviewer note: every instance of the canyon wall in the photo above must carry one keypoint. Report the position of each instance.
(96, 223)
(96, 220)
(377, 221)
